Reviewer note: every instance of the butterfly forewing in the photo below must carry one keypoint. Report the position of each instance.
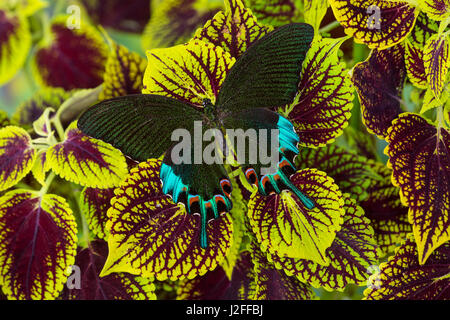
(140, 125)
(268, 73)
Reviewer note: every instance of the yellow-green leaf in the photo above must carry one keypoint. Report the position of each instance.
(40, 167)
(189, 72)
(151, 236)
(237, 214)
(436, 9)
(276, 12)
(379, 24)
(87, 161)
(403, 278)
(94, 204)
(419, 155)
(17, 156)
(234, 29)
(430, 101)
(436, 61)
(37, 244)
(285, 227)
(352, 253)
(314, 12)
(321, 110)
(124, 73)
(174, 22)
(15, 43)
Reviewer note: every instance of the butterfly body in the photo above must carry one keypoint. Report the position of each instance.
(264, 77)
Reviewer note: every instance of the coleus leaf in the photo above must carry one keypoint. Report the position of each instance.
(351, 254)
(321, 110)
(314, 12)
(275, 12)
(273, 284)
(348, 170)
(37, 244)
(436, 62)
(17, 156)
(379, 24)
(26, 7)
(216, 285)
(151, 236)
(285, 227)
(87, 161)
(419, 157)
(94, 204)
(387, 214)
(234, 29)
(415, 67)
(167, 290)
(40, 167)
(128, 16)
(430, 101)
(423, 29)
(369, 183)
(174, 22)
(42, 126)
(379, 83)
(72, 58)
(33, 108)
(362, 142)
(124, 73)
(189, 72)
(4, 119)
(237, 214)
(15, 43)
(404, 278)
(253, 278)
(436, 9)
(116, 286)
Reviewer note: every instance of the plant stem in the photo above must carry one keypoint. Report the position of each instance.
(440, 117)
(329, 27)
(59, 128)
(47, 184)
(84, 240)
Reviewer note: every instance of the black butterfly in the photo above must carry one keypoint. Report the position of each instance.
(265, 76)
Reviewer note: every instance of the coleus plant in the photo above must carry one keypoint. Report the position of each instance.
(74, 205)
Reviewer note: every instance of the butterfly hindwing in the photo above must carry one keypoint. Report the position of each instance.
(268, 73)
(139, 125)
(205, 189)
(260, 127)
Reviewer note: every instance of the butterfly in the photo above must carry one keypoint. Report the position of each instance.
(265, 76)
